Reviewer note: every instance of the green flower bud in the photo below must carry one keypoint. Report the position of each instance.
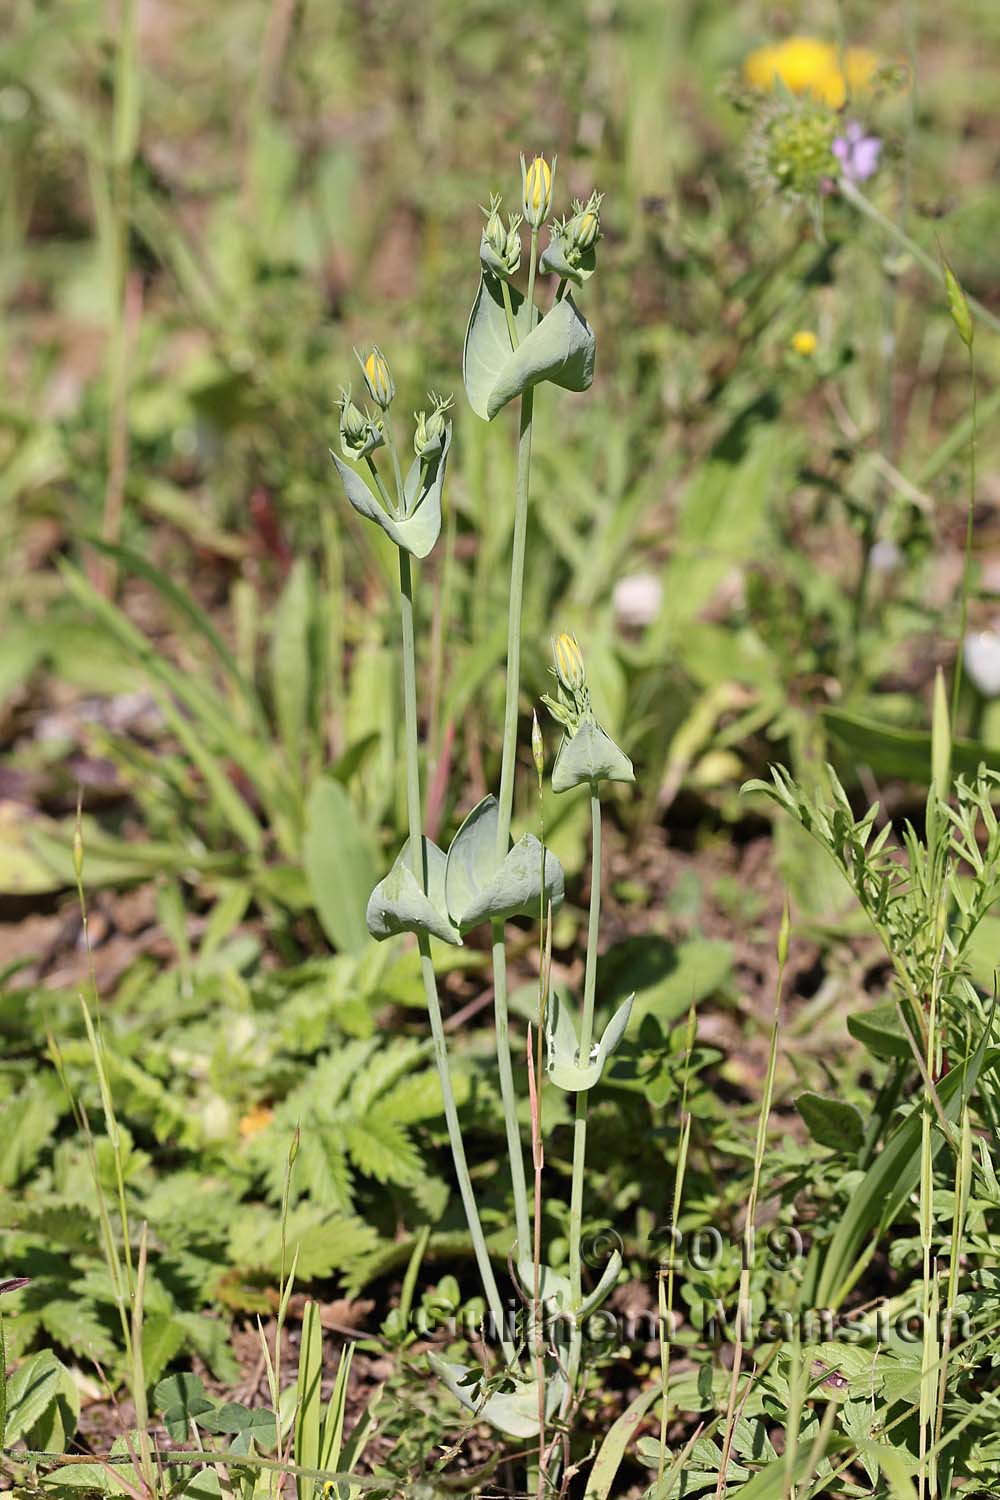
(430, 430)
(499, 248)
(378, 379)
(360, 433)
(537, 746)
(536, 190)
(583, 230)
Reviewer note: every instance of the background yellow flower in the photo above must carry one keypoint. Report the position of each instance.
(807, 65)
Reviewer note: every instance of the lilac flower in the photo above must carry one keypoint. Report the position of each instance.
(857, 153)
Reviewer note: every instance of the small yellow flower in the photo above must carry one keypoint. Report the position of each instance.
(804, 342)
(536, 188)
(569, 662)
(807, 65)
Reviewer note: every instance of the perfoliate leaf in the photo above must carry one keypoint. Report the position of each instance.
(479, 887)
(398, 904)
(560, 348)
(564, 1066)
(418, 530)
(554, 260)
(513, 1412)
(587, 757)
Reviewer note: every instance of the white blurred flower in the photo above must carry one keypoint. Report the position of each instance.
(885, 556)
(637, 598)
(981, 654)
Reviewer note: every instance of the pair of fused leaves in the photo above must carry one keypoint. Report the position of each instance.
(564, 1065)
(469, 885)
(587, 757)
(513, 1411)
(419, 527)
(556, 1292)
(559, 348)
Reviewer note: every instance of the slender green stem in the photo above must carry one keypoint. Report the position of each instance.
(384, 495)
(532, 267)
(508, 764)
(743, 1310)
(666, 1294)
(583, 1097)
(426, 962)
(397, 472)
(956, 687)
(507, 1094)
(508, 308)
(920, 255)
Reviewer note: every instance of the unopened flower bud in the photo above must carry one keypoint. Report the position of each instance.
(584, 229)
(569, 662)
(495, 233)
(536, 190)
(430, 430)
(360, 434)
(379, 381)
(537, 746)
(500, 248)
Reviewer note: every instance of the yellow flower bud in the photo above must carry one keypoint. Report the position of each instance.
(804, 342)
(378, 379)
(569, 662)
(584, 229)
(536, 190)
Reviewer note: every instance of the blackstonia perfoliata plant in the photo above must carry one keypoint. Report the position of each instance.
(511, 346)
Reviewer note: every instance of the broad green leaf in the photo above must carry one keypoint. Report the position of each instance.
(587, 757)
(487, 340)
(340, 864)
(560, 348)
(564, 1066)
(398, 904)
(666, 978)
(479, 887)
(291, 675)
(903, 753)
(512, 1412)
(831, 1122)
(881, 1031)
(31, 1390)
(419, 529)
(604, 1469)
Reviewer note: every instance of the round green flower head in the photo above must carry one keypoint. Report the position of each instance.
(799, 145)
